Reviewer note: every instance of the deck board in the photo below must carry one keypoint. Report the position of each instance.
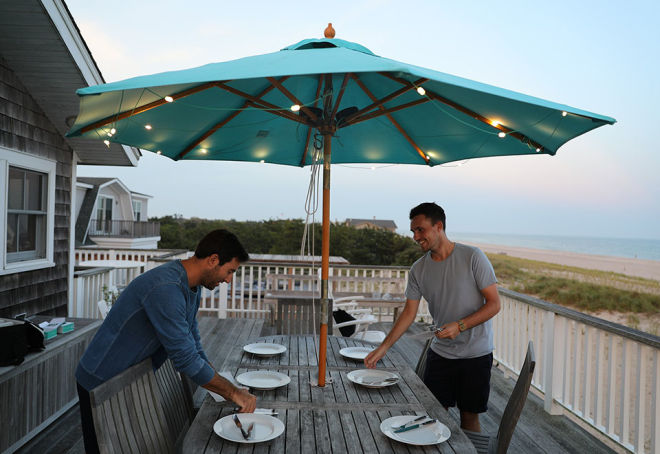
(536, 432)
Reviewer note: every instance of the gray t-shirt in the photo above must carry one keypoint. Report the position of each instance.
(452, 288)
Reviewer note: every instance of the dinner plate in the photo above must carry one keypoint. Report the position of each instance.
(426, 435)
(263, 379)
(265, 428)
(372, 378)
(265, 349)
(355, 352)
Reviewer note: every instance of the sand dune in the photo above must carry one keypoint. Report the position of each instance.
(649, 269)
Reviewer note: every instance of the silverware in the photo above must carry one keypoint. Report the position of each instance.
(395, 428)
(416, 426)
(250, 427)
(240, 426)
(380, 382)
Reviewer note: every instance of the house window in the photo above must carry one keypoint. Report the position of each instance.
(137, 210)
(104, 214)
(27, 207)
(26, 214)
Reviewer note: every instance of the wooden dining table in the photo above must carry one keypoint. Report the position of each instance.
(341, 417)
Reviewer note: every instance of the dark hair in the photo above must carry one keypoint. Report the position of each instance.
(432, 211)
(224, 243)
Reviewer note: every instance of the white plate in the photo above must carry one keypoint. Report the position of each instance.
(265, 428)
(426, 435)
(265, 349)
(355, 352)
(369, 377)
(263, 379)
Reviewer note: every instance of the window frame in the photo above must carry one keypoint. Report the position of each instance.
(10, 158)
(137, 204)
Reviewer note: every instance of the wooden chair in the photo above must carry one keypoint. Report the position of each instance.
(177, 401)
(294, 316)
(128, 413)
(499, 444)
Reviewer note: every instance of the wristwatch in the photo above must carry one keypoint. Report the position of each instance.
(461, 326)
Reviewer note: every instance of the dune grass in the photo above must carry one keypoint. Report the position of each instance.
(579, 288)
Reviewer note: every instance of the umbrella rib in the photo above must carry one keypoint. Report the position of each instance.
(340, 95)
(508, 131)
(392, 120)
(309, 130)
(384, 111)
(387, 98)
(261, 104)
(222, 123)
(293, 98)
(138, 110)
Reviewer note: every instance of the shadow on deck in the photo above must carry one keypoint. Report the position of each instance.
(536, 432)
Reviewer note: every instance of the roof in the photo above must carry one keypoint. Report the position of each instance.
(42, 45)
(384, 223)
(101, 181)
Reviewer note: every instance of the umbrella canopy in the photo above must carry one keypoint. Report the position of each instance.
(368, 109)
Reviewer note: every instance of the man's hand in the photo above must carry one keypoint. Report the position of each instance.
(245, 400)
(448, 331)
(375, 356)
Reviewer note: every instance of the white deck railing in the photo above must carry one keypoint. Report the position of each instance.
(605, 374)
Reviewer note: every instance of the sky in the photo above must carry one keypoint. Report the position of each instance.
(600, 56)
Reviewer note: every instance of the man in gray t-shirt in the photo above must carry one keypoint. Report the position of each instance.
(459, 284)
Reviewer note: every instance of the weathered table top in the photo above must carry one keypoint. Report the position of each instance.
(340, 418)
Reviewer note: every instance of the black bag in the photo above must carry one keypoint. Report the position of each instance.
(17, 338)
(341, 316)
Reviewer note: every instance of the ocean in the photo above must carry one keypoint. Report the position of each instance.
(617, 247)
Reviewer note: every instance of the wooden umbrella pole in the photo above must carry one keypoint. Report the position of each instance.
(325, 257)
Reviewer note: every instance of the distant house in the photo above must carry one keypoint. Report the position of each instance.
(43, 60)
(109, 215)
(374, 224)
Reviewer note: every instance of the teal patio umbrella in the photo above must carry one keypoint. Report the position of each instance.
(361, 107)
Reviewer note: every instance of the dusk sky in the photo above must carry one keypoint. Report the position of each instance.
(599, 56)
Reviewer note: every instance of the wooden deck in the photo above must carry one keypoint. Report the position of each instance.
(536, 432)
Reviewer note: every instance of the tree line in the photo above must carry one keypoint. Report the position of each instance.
(359, 247)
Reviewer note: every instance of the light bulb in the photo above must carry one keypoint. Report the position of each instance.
(113, 130)
(107, 143)
(295, 107)
(564, 113)
(169, 99)
(203, 150)
(495, 123)
(159, 152)
(148, 127)
(421, 91)
(262, 161)
(501, 135)
(538, 150)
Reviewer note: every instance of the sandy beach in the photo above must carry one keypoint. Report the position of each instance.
(649, 269)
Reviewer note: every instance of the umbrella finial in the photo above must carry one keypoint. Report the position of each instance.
(329, 31)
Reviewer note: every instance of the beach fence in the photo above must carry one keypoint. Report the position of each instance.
(601, 374)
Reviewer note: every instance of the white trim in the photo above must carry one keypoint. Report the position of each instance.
(78, 183)
(39, 164)
(72, 233)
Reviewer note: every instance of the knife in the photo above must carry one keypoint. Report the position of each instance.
(250, 427)
(416, 426)
(395, 428)
(240, 426)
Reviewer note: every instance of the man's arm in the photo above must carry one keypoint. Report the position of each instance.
(490, 308)
(402, 323)
(239, 396)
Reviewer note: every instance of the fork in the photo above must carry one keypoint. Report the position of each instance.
(249, 430)
(381, 382)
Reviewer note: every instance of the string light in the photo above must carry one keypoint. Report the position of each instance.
(295, 108)
(564, 113)
(169, 99)
(538, 150)
(148, 127)
(501, 135)
(421, 91)
(113, 130)
(495, 123)
(159, 152)
(203, 150)
(107, 143)
(262, 161)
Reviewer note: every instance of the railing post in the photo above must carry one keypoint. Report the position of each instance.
(222, 300)
(548, 359)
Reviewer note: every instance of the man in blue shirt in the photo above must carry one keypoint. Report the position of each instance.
(155, 316)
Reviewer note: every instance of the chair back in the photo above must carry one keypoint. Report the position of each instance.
(297, 316)
(421, 362)
(516, 402)
(177, 401)
(103, 308)
(128, 415)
